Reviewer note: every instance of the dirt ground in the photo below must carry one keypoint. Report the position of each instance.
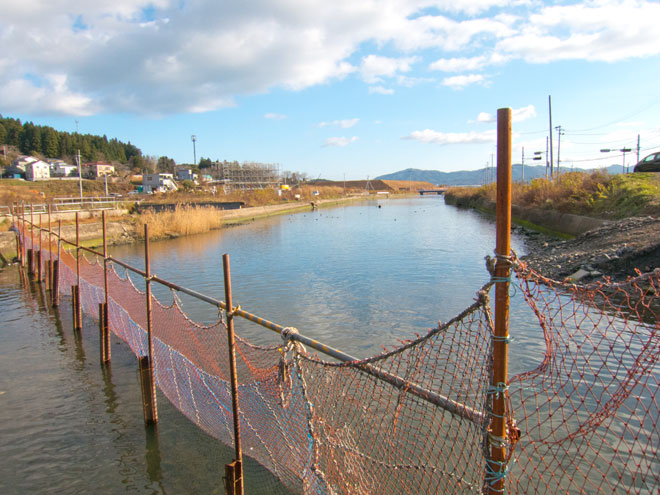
(613, 250)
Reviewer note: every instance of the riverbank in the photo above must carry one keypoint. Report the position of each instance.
(591, 225)
(124, 231)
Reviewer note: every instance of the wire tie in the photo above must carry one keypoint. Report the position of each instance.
(234, 311)
(506, 340)
(287, 332)
(498, 389)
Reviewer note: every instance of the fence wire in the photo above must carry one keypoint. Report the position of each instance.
(584, 421)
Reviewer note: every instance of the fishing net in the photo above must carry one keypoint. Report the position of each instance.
(414, 419)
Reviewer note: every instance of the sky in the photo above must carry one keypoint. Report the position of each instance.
(341, 89)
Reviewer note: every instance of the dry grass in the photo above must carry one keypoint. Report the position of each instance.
(594, 193)
(185, 220)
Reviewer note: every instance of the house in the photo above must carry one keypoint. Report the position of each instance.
(37, 170)
(59, 168)
(185, 173)
(29, 168)
(158, 183)
(97, 169)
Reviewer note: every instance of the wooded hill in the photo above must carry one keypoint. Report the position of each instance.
(41, 140)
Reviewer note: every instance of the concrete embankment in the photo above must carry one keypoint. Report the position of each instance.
(548, 220)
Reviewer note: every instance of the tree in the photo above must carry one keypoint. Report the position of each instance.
(205, 163)
(165, 164)
(50, 143)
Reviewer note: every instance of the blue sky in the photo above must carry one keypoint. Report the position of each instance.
(354, 88)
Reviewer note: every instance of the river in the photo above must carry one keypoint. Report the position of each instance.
(356, 277)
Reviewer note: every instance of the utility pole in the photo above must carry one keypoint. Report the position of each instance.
(523, 164)
(194, 140)
(550, 115)
(638, 148)
(559, 134)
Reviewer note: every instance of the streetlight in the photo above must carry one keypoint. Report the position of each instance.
(622, 150)
(538, 155)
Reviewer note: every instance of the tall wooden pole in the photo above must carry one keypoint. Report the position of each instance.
(234, 470)
(147, 362)
(77, 313)
(103, 314)
(39, 254)
(496, 470)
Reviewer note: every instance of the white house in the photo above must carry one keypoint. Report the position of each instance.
(37, 170)
(158, 183)
(58, 168)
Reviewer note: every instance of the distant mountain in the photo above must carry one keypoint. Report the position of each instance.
(474, 177)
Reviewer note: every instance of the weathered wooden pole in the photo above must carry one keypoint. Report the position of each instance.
(39, 254)
(56, 267)
(31, 250)
(49, 266)
(147, 362)
(233, 471)
(77, 309)
(496, 470)
(104, 325)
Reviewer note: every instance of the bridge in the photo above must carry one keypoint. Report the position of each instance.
(438, 191)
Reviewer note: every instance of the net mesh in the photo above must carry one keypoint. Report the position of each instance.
(584, 421)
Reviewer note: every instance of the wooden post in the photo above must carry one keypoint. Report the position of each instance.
(49, 270)
(147, 362)
(103, 309)
(77, 319)
(56, 267)
(496, 468)
(31, 258)
(237, 466)
(39, 255)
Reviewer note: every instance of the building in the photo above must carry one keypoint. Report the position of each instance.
(97, 169)
(158, 183)
(59, 168)
(185, 173)
(37, 170)
(29, 168)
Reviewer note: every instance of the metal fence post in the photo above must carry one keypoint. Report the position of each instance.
(233, 471)
(496, 468)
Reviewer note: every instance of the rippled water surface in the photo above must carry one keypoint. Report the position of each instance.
(355, 277)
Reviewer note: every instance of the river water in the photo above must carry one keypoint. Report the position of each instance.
(355, 277)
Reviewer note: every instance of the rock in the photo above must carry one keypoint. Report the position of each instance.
(577, 276)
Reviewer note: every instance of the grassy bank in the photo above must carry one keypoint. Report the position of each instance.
(595, 194)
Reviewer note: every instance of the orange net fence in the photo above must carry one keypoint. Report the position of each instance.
(589, 413)
(584, 421)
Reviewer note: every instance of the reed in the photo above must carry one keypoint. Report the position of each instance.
(184, 220)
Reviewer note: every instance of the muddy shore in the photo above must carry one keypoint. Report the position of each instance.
(616, 249)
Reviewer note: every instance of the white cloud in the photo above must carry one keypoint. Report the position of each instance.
(275, 116)
(167, 56)
(435, 137)
(344, 124)
(466, 64)
(598, 30)
(459, 82)
(517, 115)
(374, 67)
(339, 141)
(380, 90)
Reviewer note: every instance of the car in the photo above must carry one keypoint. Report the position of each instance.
(649, 164)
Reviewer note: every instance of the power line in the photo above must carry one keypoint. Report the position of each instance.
(639, 110)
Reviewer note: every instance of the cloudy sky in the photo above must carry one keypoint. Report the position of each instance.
(347, 87)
